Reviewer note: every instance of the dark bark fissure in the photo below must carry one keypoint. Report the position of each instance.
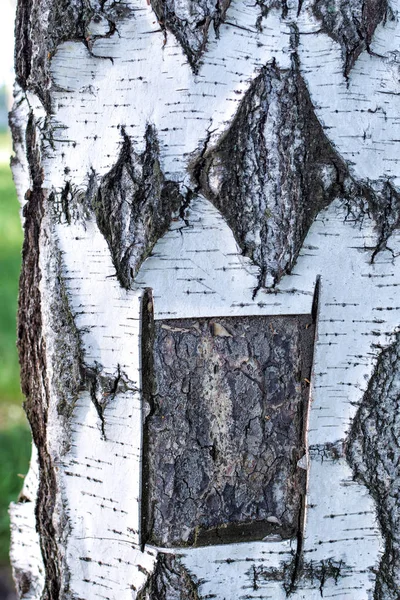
(351, 24)
(373, 451)
(31, 346)
(191, 28)
(298, 566)
(224, 429)
(148, 392)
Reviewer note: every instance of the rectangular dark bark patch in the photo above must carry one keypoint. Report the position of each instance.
(225, 401)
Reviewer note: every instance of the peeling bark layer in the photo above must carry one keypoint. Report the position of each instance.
(373, 452)
(225, 429)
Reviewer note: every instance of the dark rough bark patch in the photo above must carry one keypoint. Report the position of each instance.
(169, 581)
(32, 355)
(23, 47)
(374, 454)
(37, 37)
(267, 5)
(191, 22)
(351, 23)
(377, 200)
(134, 206)
(327, 452)
(71, 376)
(224, 429)
(322, 571)
(272, 172)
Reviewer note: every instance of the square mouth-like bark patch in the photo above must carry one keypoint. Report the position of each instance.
(225, 403)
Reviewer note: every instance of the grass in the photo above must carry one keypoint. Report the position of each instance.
(14, 432)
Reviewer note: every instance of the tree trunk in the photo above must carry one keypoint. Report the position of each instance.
(208, 323)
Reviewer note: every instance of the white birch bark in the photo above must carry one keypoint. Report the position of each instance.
(239, 160)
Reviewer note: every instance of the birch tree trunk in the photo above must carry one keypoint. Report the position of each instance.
(208, 320)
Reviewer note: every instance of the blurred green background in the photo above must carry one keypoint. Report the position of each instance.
(14, 432)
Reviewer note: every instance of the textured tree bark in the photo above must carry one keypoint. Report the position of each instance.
(208, 323)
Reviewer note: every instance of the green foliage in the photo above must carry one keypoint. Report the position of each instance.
(14, 433)
(10, 262)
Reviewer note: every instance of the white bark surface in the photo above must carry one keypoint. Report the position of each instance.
(117, 85)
